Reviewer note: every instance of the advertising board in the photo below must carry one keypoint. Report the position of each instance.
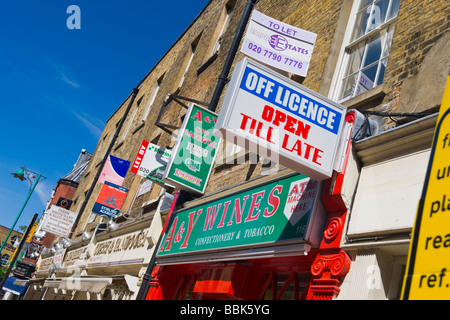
(272, 214)
(194, 152)
(58, 221)
(277, 118)
(427, 275)
(278, 44)
(110, 200)
(114, 171)
(151, 161)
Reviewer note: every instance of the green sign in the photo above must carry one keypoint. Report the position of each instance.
(194, 152)
(267, 215)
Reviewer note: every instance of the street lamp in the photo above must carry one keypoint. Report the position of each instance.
(34, 178)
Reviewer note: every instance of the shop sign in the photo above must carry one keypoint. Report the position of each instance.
(151, 161)
(427, 274)
(110, 200)
(278, 44)
(58, 258)
(58, 221)
(273, 214)
(194, 152)
(275, 117)
(74, 257)
(114, 171)
(45, 264)
(129, 248)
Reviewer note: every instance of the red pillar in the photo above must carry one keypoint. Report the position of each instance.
(332, 264)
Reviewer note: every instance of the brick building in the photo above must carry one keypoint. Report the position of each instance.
(386, 62)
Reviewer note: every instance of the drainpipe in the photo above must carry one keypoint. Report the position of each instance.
(105, 158)
(223, 78)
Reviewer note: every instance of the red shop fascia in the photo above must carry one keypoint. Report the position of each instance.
(308, 266)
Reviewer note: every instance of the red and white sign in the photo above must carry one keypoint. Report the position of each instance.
(275, 117)
(151, 161)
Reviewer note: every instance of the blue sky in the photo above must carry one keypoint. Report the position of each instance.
(58, 86)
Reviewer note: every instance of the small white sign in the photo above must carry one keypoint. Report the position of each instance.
(58, 221)
(278, 44)
(279, 119)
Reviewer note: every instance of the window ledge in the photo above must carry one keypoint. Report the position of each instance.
(364, 98)
(207, 63)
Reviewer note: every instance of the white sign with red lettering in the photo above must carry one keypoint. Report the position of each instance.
(275, 117)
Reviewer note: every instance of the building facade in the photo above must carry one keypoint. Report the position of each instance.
(385, 61)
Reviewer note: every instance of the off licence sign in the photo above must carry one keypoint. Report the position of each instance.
(281, 120)
(428, 270)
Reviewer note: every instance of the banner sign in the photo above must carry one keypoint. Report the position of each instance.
(151, 161)
(58, 221)
(269, 215)
(278, 44)
(114, 171)
(194, 152)
(110, 200)
(427, 275)
(282, 120)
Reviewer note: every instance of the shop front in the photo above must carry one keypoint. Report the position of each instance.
(274, 237)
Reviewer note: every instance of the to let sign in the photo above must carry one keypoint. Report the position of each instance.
(194, 152)
(277, 118)
(278, 44)
(427, 274)
(151, 161)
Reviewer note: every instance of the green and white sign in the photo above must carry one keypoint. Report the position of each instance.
(280, 212)
(194, 152)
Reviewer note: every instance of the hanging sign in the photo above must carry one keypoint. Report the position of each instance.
(58, 221)
(151, 161)
(278, 44)
(269, 215)
(427, 273)
(114, 171)
(277, 118)
(110, 200)
(194, 152)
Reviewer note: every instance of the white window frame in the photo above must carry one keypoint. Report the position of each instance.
(343, 59)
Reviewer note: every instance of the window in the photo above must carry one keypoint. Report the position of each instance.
(152, 99)
(367, 52)
(225, 21)
(129, 121)
(193, 47)
(4, 260)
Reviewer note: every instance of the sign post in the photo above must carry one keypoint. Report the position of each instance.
(194, 152)
(428, 271)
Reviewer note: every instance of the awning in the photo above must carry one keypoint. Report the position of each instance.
(51, 283)
(11, 287)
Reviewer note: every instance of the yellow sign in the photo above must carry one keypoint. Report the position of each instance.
(428, 271)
